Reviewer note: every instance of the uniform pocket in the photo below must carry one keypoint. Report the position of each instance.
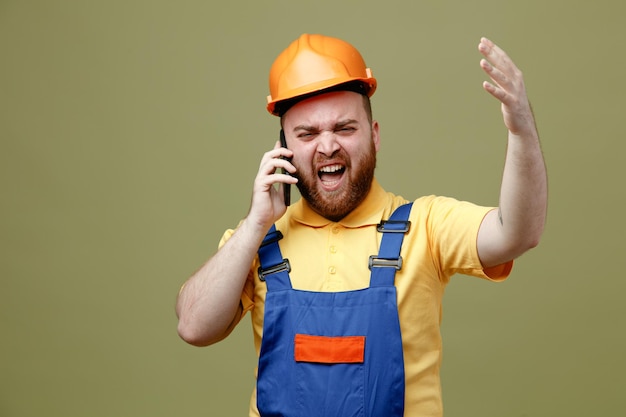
(330, 375)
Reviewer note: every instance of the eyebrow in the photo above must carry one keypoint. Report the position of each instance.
(338, 125)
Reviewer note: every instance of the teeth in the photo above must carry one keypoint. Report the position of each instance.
(331, 168)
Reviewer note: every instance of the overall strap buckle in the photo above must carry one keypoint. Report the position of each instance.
(281, 267)
(271, 237)
(394, 226)
(376, 262)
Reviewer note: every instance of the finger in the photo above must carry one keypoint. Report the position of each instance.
(498, 59)
(493, 52)
(276, 153)
(278, 162)
(506, 87)
(498, 77)
(497, 92)
(277, 178)
(266, 182)
(286, 179)
(286, 165)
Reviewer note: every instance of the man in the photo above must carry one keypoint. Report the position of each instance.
(346, 306)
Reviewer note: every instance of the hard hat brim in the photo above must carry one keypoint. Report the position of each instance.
(279, 105)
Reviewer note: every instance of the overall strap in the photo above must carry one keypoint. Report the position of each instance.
(274, 270)
(388, 261)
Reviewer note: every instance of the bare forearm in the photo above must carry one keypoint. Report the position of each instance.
(518, 223)
(209, 300)
(524, 192)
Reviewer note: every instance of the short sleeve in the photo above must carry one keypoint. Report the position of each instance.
(453, 230)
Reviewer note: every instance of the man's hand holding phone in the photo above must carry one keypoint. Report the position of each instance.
(268, 201)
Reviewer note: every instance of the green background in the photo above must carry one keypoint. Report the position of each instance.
(131, 132)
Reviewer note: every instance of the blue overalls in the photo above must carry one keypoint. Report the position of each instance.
(333, 354)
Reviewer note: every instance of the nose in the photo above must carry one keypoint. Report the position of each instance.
(327, 143)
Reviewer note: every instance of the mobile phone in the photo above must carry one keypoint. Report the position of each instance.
(286, 187)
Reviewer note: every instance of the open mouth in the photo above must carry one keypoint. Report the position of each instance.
(331, 174)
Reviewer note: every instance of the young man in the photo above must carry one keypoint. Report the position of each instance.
(346, 305)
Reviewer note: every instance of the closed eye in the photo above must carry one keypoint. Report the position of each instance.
(346, 127)
(348, 130)
(306, 135)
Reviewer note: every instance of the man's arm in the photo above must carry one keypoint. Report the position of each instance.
(516, 226)
(209, 300)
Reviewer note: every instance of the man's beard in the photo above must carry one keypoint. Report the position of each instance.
(337, 204)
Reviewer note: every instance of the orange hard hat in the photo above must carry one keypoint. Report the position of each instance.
(312, 64)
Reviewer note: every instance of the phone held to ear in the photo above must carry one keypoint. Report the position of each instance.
(286, 187)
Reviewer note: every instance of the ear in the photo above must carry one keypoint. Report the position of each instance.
(376, 135)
